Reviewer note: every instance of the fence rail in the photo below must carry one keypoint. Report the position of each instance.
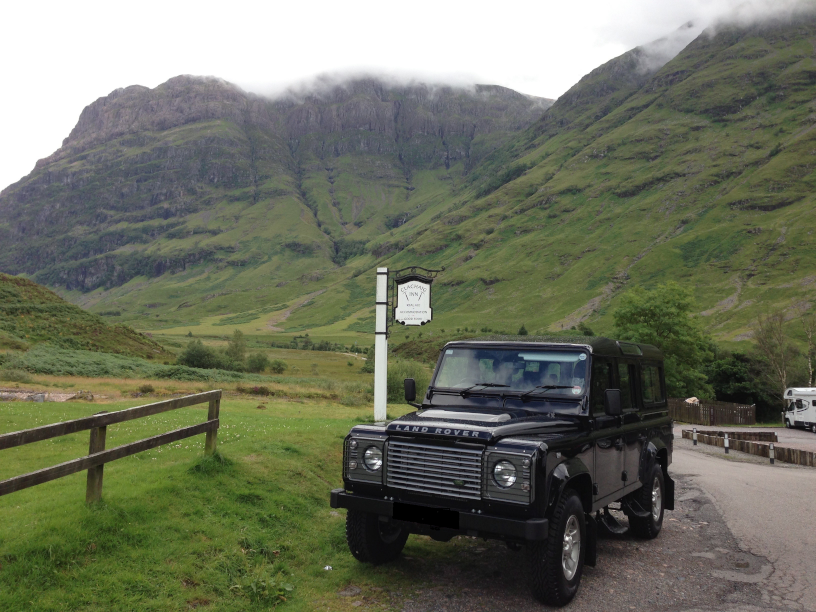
(782, 453)
(711, 413)
(98, 456)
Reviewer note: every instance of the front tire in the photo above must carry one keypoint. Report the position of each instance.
(555, 565)
(371, 540)
(787, 424)
(813, 428)
(650, 497)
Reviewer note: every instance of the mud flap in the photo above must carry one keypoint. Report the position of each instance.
(669, 483)
(591, 553)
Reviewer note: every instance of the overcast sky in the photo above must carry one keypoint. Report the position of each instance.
(57, 57)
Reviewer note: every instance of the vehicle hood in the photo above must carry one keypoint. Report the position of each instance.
(479, 425)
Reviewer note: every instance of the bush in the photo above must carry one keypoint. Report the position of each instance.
(13, 375)
(278, 366)
(146, 388)
(257, 363)
(522, 330)
(196, 355)
(398, 371)
(256, 390)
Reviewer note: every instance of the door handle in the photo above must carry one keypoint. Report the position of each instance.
(619, 443)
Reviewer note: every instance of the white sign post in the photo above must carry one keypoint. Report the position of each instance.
(412, 306)
(381, 346)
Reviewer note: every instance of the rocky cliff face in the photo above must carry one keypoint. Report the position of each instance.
(152, 181)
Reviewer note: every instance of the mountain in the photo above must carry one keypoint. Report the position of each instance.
(198, 206)
(31, 314)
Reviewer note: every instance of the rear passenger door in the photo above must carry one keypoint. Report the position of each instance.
(609, 447)
(633, 433)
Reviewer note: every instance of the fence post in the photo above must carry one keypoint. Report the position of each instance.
(771, 453)
(695, 436)
(212, 435)
(726, 444)
(93, 490)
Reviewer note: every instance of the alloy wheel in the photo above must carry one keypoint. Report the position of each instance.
(657, 500)
(571, 549)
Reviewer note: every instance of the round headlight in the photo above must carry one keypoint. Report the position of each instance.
(504, 473)
(373, 458)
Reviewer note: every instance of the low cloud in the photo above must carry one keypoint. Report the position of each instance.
(658, 53)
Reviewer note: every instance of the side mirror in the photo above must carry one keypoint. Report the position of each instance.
(612, 402)
(410, 389)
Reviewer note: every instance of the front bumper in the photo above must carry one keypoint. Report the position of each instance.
(420, 518)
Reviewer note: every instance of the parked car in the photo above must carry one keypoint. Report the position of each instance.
(526, 442)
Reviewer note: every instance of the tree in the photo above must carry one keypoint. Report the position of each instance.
(257, 363)
(663, 317)
(522, 330)
(737, 377)
(775, 348)
(236, 347)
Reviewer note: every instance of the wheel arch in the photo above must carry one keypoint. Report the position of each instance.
(570, 474)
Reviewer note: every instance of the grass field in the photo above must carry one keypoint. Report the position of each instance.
(174, 532)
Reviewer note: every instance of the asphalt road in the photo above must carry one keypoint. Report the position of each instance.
(770, 511)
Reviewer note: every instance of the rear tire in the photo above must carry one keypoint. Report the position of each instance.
(555, 566)
(813, 428)
(371, 540)
(650, 497)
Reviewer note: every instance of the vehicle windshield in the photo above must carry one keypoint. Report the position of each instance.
(502, 370)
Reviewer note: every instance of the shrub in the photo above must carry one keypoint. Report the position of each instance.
(368, 366)
(278, 366)
(147, 388)
(256, 390)
(14, 375)
(398, 371)
(257, 362)
(196, 355)
(522, 330)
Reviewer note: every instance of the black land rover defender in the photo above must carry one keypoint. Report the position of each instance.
(527, 442)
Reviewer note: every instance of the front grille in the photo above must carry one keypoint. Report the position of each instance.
(435, 470)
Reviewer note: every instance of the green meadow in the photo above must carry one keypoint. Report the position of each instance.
(176, 531)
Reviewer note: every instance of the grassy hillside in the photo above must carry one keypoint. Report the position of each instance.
(31, 314)
(700, 171)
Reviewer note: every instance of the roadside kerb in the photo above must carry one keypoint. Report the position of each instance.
(781, 453)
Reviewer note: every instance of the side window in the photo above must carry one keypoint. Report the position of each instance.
(625, 379)
(601, 381)
(798, 404)
(650, 378)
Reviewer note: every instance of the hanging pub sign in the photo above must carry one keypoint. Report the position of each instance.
(413, 300)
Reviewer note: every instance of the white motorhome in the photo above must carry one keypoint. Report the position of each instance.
(801, 408)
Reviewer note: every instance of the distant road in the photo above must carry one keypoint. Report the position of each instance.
(771, 510)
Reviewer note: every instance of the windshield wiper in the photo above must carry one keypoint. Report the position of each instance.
(464, 392)
(526, 394)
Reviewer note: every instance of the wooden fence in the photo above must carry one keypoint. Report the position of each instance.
(782, 453)
(97, 456)
(711, 413)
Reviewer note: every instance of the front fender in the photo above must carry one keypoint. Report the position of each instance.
(573, 473)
